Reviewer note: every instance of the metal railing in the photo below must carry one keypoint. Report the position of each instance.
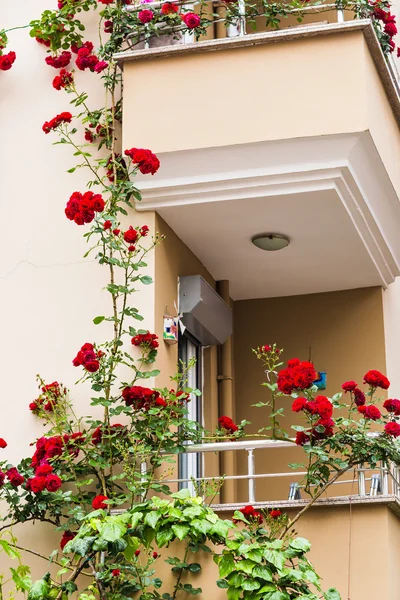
(384, 480)
(238, 28)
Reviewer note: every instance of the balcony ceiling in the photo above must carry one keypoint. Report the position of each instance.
(330, 195)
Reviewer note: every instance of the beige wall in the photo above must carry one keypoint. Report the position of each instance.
(291, 68)
(345, 332)
(172, 260)
(354, 548)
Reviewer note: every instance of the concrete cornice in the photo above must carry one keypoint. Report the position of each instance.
(391, 501)
(282, 35)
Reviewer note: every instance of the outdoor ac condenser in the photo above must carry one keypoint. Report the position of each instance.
(206, 316)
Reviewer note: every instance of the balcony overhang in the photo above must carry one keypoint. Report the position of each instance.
(331, 195)
(293, 132)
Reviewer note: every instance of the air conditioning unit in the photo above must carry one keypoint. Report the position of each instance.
(205, 315)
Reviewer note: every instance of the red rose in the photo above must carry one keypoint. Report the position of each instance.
(99, 502)
(7, 61)
(145, 340)
(60, 61)
(37, 484)
(302, 438)
(137, 552)
(131, 248)
(100, 66)
(131, 235)
(139, 397)
(106, 1)
(349, 386)
(144, 230)
(14, 477)
(299, 404)
(227, 424)
(2, 478)
(392, 429)
(370, 412)
(145, 16)
(108, 27)
(3, 443)
(160, 402)
(53, 483)
(390, 28)
(376, 380)
(66, 537)
(107, 225)
(191, 20)
(115, 572)
(169, 8)
(328, 425)
(62, 80)
(145, 159)
(92, 366)
(116, 231)
(64, 117)
(293, 362)
(393, 406)
(275, 513)
(359, 397)
(251, 514)
(324, 407)
(44, 470)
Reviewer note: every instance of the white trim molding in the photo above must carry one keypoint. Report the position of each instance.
(349, 164)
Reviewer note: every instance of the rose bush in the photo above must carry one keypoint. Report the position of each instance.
(97, 481)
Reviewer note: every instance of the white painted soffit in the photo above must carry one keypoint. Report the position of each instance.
(347, 164)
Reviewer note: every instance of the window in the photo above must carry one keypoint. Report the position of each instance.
(190, 465)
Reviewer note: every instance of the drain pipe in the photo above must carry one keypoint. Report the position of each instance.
(226, 404)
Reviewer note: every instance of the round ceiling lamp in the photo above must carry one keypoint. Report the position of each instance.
(270, 241)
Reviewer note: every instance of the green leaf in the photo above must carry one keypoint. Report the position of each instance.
(234, 593)
(112, 530)
(182, 494)
(79, 546)
(262, 573)
(152, 518)
(332, 594)
(269, 587)
(40, 589)
(300, 544)
(9, 550)
(246, 566)
(180, 531)
(192, 511)
(251, 584)
(275, 558)
(136, 517)
(201, 526)
(222, 583)
(194, 567)
(164, 536)
(98, 320)
(278, 596)
(146, 279)
(226, 564)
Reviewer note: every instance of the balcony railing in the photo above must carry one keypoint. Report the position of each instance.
(365, 481)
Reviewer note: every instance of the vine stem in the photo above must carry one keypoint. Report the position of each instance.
(176, 588)
(314, 499)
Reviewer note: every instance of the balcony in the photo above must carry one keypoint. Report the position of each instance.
(359, 522)
(293, 131)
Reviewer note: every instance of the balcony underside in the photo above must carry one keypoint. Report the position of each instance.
(331, 195)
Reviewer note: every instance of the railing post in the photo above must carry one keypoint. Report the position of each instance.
(143, 473)
(340, 12)
(361, 481)
(385, 479)
(239, 28)
(251, 473)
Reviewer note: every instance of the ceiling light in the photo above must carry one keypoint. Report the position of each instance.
(270, 241)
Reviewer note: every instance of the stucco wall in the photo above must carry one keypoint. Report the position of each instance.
(345, 332)
(266, 113)
(49, 294)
